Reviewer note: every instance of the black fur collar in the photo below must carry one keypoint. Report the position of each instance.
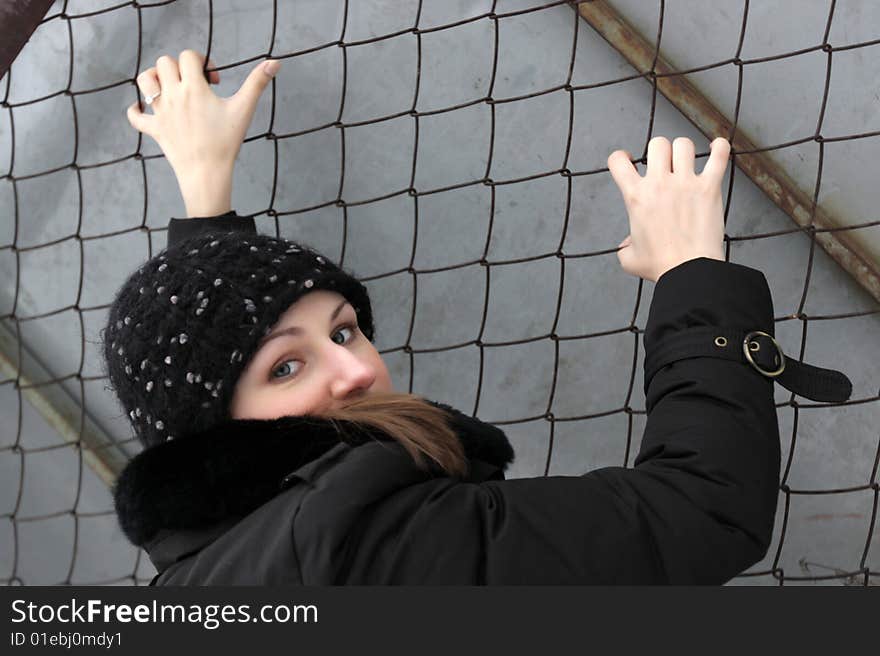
(237, 466)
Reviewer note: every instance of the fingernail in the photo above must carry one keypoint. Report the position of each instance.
(271, 67)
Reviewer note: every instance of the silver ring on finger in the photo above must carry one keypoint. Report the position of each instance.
(148, 98)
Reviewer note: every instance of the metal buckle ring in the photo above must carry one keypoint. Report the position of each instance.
(746, 350)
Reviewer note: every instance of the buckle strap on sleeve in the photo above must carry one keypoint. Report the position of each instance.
(755, 348)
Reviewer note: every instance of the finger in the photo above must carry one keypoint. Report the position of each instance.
(682, 155)
(718, 158)
(622, 170)
(659, 156)
(248, 95)
(213, 76)
(140, 121)
(625, 256)
(148, 83)
(192, 65)
(169, 73)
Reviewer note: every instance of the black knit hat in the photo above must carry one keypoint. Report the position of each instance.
(183, 326)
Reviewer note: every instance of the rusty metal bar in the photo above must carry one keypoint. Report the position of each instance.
(58, 408)
(762, 170)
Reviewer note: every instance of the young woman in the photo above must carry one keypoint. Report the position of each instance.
(279, 454)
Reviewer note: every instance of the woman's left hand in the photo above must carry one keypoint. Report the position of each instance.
(198, 131)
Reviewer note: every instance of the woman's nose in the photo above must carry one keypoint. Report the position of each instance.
(352, 376)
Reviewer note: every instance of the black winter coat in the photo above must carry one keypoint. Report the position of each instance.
(269, 502)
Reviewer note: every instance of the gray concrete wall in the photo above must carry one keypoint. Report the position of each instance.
(834, 447)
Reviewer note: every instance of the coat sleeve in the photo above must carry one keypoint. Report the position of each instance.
(697, 507)
(180, 229)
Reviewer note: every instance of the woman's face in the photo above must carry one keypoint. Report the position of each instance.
(315, 359)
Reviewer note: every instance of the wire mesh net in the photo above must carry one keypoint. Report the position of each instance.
(449, 210)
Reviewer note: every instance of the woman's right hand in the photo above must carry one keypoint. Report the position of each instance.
(675, 215)
(199, 132)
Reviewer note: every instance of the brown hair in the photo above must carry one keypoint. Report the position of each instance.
(421, 428)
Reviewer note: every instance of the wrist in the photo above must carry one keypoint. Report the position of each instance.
(207, 193)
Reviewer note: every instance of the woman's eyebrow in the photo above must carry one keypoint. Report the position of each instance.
(296, 330)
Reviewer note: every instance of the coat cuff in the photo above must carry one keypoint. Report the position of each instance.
(708, 292)
(181, 229)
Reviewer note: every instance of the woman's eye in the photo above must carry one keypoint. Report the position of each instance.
(280, 368)
(350, 329)
(283, 365)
